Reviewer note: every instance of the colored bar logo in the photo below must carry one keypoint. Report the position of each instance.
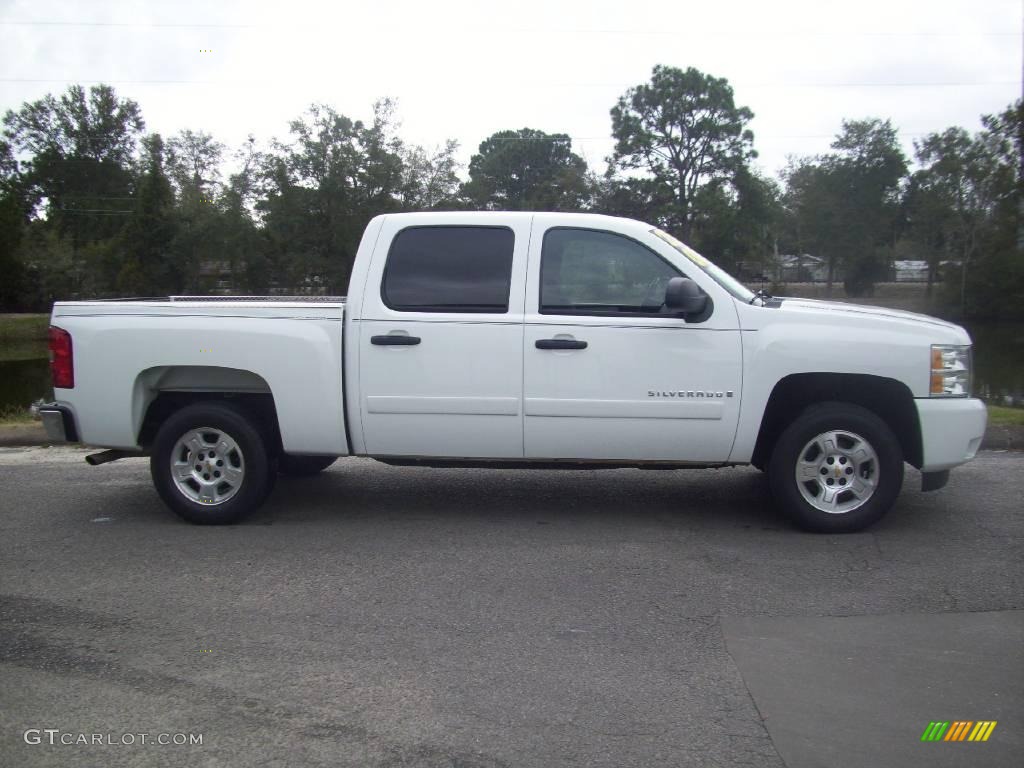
(958, 730)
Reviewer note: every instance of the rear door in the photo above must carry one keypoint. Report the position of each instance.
(440, 338)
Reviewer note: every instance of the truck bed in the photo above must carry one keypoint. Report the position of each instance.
(132, 351)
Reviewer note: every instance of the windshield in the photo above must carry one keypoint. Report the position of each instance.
(719, 275)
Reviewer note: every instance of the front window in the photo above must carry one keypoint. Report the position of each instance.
(585, 271)
(719, 275)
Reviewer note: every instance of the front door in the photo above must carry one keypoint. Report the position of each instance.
(440, 339)
(608, 373)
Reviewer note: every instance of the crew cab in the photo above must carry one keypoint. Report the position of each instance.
(519, 340)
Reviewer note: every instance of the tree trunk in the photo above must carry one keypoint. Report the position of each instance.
(968, 251)
(963, 288)
(685, 227)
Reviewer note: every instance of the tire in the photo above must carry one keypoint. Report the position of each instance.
(850, 467)
(234, 475)
(294, 465)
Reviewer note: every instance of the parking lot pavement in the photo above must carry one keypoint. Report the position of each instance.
(476, 618)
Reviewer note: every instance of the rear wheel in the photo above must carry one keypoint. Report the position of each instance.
(210, 464)
(837, 468)
(294, 465)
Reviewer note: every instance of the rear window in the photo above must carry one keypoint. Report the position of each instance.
(449, 269)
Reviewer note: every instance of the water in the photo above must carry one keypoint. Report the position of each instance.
(998, 368)
(25, 378)
(998, 362)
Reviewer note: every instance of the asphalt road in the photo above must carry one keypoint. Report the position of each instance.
(378, 616)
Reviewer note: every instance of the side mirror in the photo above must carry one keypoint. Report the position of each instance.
(685, 296)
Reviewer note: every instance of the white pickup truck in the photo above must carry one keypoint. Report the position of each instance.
(519, 340)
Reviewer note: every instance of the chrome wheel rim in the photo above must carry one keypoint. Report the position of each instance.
(207, 466)
(837, 472)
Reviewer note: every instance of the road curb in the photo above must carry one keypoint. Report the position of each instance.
(18, 435)
(1008, 438)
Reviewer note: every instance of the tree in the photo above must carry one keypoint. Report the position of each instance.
(977, 181)
(811, 200)
(244, 246)
(193, 162)
(634, 197)
(685, 130)
(322, 189)
(1001, 284)
(82, 146)
(527, 170)
(12, 226)
(868, 166)
(958, 174)
(846, 203)
(430, 178)
(737, 222)
(926, 238)
(150, 268)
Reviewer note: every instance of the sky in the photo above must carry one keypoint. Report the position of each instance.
(464, 70)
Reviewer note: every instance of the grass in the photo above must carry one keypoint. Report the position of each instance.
(1000, 416)
(12, 417)
(22, 328)
(23, 350)
(23, 337)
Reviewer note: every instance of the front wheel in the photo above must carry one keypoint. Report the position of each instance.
(837, 468)
(210, 464)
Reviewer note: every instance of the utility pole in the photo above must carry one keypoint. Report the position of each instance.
(1020, 145)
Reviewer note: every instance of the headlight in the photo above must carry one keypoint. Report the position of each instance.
(951, 371)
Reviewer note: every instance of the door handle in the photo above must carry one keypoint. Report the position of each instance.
(560, 344)
(395, 340)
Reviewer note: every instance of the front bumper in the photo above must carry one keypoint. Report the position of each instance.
(951, 431)
(59, 423)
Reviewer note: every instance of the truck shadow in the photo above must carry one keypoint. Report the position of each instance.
(361, 488)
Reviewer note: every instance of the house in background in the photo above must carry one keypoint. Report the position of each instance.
(803, 268)
(910, 271)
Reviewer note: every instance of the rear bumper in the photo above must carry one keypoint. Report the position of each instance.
(951, 431)
(59, 423)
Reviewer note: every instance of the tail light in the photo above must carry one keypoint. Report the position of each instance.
(62, 361)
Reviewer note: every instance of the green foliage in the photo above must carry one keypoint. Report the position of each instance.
(150, 267)
(50, 267)
(430, 179)
(23, 328)
(89, 207)
(845, 205)
(320, 191)
(82, 146)
(1001, 416)
(737, 222)
(193, 162)
(527, 170)
(12, 271)
(965, 208)
(684, 129)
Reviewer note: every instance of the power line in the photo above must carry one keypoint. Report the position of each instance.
(553, 30)
(738, 83)
(132, 24)
(94, 212)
